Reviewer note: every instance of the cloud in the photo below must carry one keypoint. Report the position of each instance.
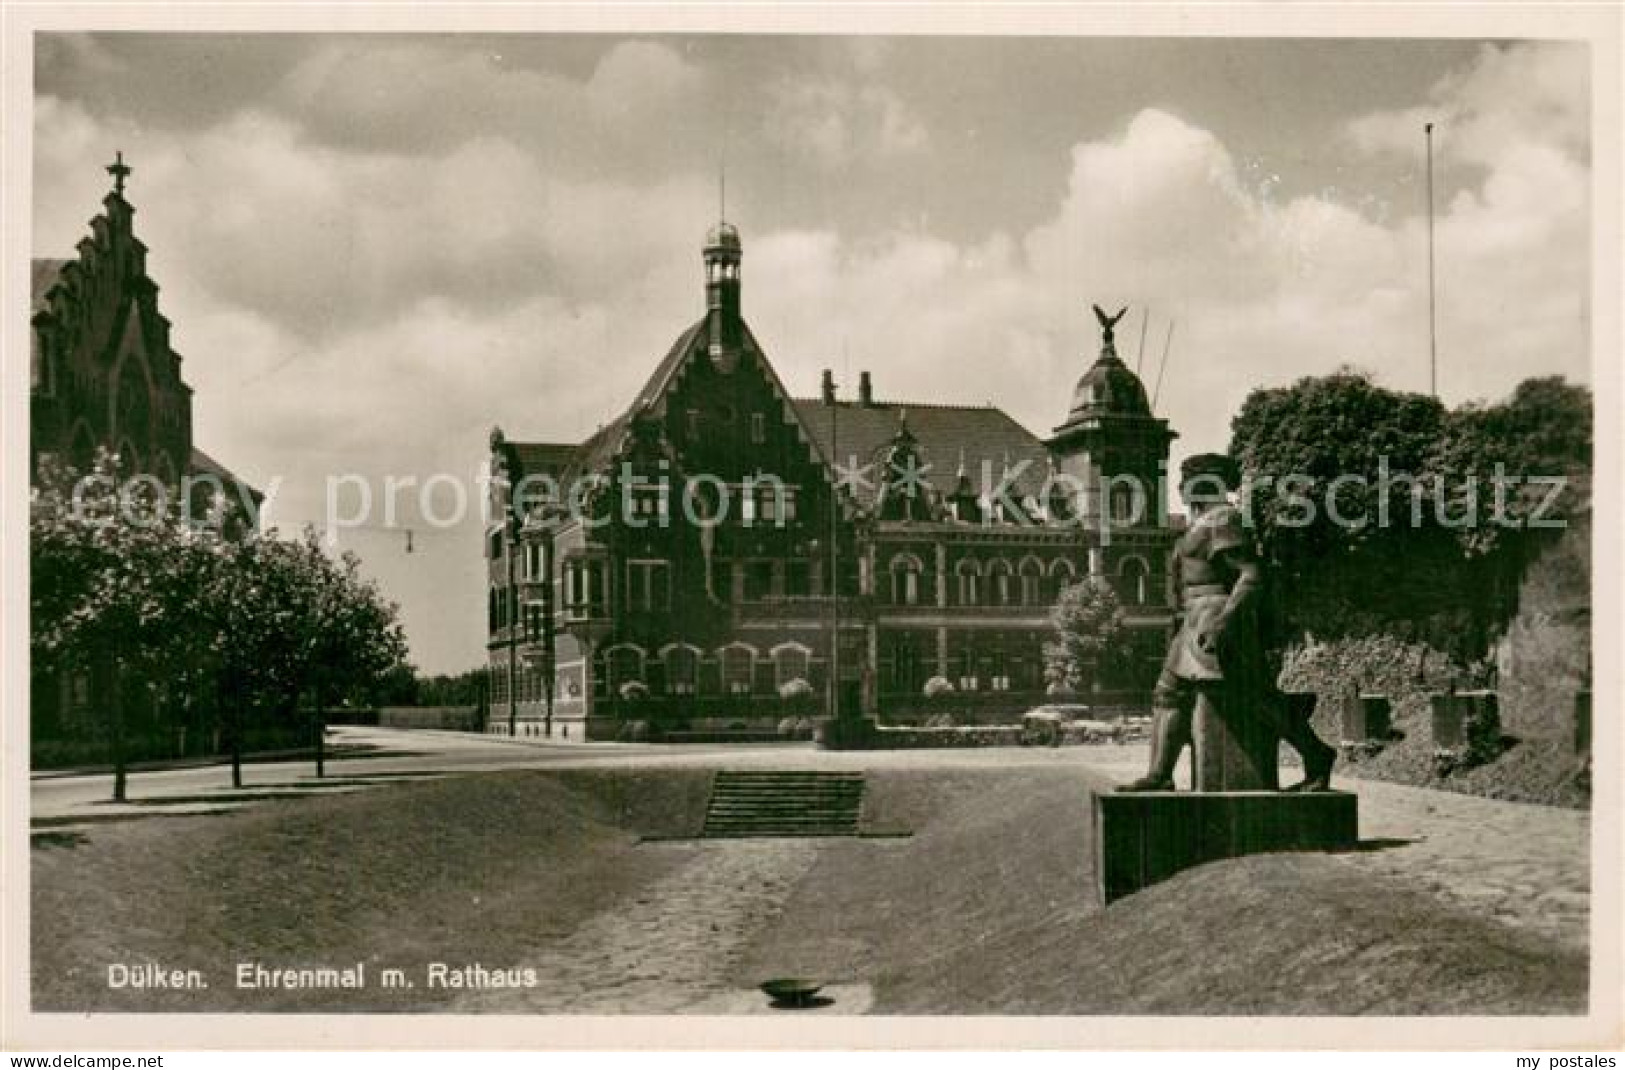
(356, 293)
(833, 122)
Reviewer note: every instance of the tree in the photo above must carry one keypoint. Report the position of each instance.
(290, 622)
(1415, 548)
(114, 567)
(1088, 645)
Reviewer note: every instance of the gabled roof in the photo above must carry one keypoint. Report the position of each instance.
(852, 432)
(43, 274)
(202, 464)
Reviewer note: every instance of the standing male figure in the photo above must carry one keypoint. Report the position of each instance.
(1217, 660)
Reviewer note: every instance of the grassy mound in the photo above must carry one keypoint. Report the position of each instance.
(990, 909)
(467, 869)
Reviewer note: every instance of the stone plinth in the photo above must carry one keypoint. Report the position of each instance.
(1232, 752)
(1145, 837)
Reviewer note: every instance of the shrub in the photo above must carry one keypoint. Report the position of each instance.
(634, 691)
(938, 687)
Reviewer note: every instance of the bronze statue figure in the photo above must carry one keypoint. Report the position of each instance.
(1217, 666)
(1108, 324)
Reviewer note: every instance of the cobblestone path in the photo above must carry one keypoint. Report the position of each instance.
(669, 947)
(1521, 864)
(1524, 865)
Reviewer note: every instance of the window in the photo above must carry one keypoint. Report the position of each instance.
(1032, 578)
(738, 665)
(758, 428)
(1000, 575)
(692, 423)
(758, 580)
(682, 668)
(789, 663)
(625, 666)
(1136, 577)
(1125, 505)
(905, 578)
(970, 583)
(797, 579)
(648, 585)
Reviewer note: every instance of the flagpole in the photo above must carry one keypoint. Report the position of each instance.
(1433, 329)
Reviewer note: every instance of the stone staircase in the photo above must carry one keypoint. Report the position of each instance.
(788, 803)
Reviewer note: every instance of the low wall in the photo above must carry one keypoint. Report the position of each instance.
(454, 718)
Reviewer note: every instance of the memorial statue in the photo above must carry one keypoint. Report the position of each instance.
(1216, 679)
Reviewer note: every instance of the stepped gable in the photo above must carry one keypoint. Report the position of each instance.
(983, 433)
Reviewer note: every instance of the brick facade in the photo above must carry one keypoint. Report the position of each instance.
(676, 568)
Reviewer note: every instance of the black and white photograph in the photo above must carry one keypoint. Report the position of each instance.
(804, 528)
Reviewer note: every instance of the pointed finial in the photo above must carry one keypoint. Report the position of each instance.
(120, 171)
(961, 473)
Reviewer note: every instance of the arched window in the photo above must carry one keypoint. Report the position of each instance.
(1032, 581)
(789, 663)
(999, 582)
(968, 577)
(1062, 574)
(625, 665)
(738, 663)
(1135, 576)
(905, 579)
(682, 664)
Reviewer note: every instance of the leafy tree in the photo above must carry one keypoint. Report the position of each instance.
(114, 568)
(1414, 548)
(1089, 643)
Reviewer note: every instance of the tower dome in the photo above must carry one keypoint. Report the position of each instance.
(1108, 388)
(722, 236)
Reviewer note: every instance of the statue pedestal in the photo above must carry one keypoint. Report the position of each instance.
(1237, 753)
(1145, 837)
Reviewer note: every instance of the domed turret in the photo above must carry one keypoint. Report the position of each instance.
(722, 236)
(1109, 388)
(723, 253)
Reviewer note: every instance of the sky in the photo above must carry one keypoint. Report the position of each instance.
(375, 248)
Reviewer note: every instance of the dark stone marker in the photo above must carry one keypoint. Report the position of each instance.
(1449, 723)
(1582, 721)
(1145, 837)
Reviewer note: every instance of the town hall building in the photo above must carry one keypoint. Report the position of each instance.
(689, 567)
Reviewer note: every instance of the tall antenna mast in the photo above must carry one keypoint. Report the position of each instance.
(1433, 326)
(1167, 344)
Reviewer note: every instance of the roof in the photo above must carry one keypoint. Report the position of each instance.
(202, 464)
(1108, 388)
(550, 458)
(853, 432)
(43, 274)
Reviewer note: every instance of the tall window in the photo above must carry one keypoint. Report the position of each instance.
(789, 663)
(1135, 577)
(648, 585)
(738, 664)
(970, 583)
(682, 669)
(905, 578)
(1032, 581)
(758, 428)
(999, 580)
(625, 666)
